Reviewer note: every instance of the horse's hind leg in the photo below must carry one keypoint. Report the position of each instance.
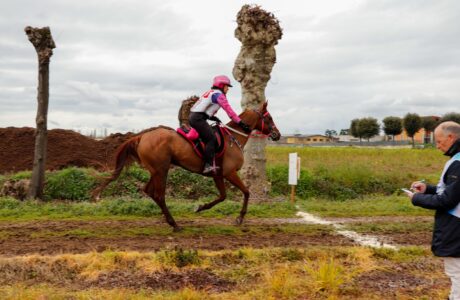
(219, 181)
(156, 189)
(236, 181)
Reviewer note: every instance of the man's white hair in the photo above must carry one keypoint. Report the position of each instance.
(450, 127)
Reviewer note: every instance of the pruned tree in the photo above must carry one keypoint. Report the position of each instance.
(412, 123)
(44, 44)
(429, 123)
(258, 31)
(392, 126)
(451, 116)
(368, 127)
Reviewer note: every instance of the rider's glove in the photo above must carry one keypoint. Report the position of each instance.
(245, 127)
(215, 119)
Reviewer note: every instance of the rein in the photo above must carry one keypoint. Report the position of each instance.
(234, 130)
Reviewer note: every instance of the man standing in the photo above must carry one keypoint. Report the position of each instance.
(445, 198)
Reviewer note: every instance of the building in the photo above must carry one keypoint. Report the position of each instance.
(345, 138)
(308, 139)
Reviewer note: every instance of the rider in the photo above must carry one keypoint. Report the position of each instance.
(205, 108)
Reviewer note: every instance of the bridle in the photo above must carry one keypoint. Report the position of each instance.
(271, 134)
(262, 117)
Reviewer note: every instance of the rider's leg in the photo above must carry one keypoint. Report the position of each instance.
(207, 136)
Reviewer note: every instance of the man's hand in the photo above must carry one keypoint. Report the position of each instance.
(215, 119)
(418, 187)
(409, 194)
(245, 127)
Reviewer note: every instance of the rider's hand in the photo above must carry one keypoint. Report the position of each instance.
(215, 119)
(245, 127)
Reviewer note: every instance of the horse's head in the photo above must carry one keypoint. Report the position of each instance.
(266, 125)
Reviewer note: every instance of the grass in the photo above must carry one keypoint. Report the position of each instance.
(391, 227)
(366, 207)
(129, 208)
(272, 273)
(407, 162)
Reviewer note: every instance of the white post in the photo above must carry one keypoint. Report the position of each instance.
(294, 170)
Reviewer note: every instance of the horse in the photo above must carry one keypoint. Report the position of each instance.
(162, 146)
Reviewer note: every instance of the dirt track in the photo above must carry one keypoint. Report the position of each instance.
(54, 237)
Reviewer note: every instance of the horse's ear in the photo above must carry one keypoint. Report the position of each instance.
(264, 106)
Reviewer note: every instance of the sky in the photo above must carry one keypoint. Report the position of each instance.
(124, 65)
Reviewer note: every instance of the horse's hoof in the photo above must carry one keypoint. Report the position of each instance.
(177, 229)
(199, 208)
(239, 220)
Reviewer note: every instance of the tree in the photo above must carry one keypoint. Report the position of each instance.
(452, 116)
(345, 131)
(43, 43)
(392, 126)
(412, 123)
(259, 32)
(368, 128)
(330, 133)
(429, 123)
(354, 129)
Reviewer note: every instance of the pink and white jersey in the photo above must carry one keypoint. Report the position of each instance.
(211, 101)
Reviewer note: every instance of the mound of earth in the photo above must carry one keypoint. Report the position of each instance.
(65, 148)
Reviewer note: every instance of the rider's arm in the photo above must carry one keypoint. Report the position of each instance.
(223, 102)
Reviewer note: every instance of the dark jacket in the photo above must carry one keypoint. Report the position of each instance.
(446, 232)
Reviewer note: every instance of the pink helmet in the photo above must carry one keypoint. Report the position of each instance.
(220, 81)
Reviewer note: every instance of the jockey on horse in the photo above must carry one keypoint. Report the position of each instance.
(205, 108)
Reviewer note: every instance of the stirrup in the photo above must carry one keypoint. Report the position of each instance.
(208, 169)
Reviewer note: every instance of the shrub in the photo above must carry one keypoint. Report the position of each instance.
(70, 184)
(185, 184)
(340, 183)
(9, 203)
(130, 183)
(179, 257)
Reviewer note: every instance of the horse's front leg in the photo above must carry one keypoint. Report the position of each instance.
(219, 181)
(236, 181)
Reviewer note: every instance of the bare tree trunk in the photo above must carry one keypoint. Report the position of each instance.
(259, 32)
(43, 42)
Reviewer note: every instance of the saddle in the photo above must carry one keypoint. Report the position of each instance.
(192, 136)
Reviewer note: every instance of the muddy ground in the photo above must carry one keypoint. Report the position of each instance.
(43, 237)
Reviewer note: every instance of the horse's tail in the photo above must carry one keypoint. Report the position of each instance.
(126, 155)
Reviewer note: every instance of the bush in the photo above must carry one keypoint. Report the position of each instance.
(181, 184)
(179, 257)
(70, 184)
(184, 184)
(341, 183)
(130, 183)
(9, 203)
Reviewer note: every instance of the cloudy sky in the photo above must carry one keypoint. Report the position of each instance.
(126, 65)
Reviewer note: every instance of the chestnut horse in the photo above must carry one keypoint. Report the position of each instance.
(157, 149)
